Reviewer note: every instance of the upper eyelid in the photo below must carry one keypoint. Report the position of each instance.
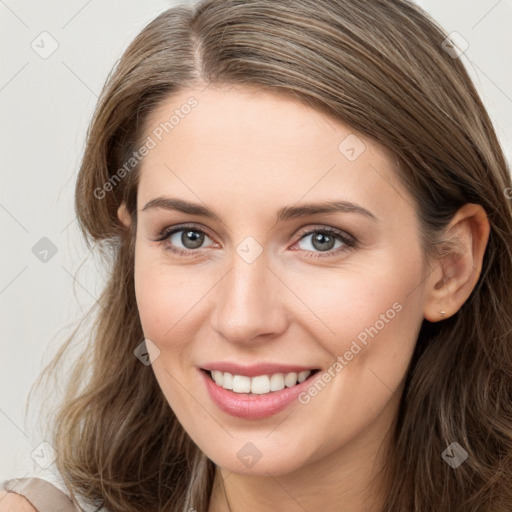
(176, 229)
(301, 233)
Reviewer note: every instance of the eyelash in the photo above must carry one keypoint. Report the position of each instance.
(349, 241)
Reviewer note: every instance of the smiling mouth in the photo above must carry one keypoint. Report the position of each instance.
(261, 384)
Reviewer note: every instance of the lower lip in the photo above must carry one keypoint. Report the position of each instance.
(252, 406)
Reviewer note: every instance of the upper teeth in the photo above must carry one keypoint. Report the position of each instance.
(260, 384)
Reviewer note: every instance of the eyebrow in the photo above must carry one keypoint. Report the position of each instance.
(286, 213)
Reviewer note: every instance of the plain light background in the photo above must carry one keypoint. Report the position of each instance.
(45, 107)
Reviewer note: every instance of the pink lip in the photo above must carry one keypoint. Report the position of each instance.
(255, 369)
(254, 407)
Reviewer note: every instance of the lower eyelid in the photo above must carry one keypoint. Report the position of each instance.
(348, 241)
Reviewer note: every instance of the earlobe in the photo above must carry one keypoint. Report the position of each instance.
(124, 216)
(460, 263)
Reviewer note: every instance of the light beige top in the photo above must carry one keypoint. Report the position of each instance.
(43, 495)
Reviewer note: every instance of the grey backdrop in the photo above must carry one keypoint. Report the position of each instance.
(55, 57)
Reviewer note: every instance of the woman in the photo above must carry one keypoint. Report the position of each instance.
(305, 207)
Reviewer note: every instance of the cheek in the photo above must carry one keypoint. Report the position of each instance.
(170, 299)
(347, 303)
(370, 323)
(160, 299)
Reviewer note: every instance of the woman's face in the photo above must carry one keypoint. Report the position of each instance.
(273, 277)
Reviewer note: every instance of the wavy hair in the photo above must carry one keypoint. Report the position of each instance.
(379, 67)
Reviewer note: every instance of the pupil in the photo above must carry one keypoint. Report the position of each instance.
(320, 240)
(192, 239)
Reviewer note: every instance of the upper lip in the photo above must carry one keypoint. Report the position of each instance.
(254, 370)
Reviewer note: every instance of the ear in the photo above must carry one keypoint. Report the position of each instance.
(457, 270)
(124, 215)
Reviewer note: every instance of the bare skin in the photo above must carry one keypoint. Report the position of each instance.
(12, 502)
(245, 154)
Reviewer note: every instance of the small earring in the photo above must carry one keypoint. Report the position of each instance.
(442, 313)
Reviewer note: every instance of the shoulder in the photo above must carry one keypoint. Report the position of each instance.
(34, 494)
(42, 491)
(10, 502)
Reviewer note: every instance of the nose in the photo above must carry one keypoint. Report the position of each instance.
(249, 303)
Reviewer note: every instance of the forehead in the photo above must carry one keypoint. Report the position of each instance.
(260, 147)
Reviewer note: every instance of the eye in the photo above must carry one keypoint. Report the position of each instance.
(183, 239)
(186, 240)
(324, 240)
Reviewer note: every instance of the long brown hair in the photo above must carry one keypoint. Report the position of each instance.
(381, 68)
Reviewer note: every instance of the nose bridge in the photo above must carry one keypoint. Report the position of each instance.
(247, 299)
